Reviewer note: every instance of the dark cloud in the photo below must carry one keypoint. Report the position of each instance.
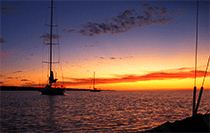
(18, 71)
(69, 30)
(1, 83)
(127, 20)
(24, 80)
(10, 77)
(46, 37)
(114, 58)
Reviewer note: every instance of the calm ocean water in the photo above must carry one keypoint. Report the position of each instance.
(25, 111)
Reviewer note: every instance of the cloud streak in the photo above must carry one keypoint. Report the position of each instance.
(126, 20)
(160, 75)
(24, 80)
(114, 58)
(19, 71)
(46, 37)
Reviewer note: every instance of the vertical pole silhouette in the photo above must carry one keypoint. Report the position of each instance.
(194, 99)
(196, 56)
(49, 89)
(94, 81)
(51, 41)
(201, 90)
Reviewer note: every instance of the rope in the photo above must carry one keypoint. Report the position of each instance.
(201, 90)
(60, 65)
(207, 66)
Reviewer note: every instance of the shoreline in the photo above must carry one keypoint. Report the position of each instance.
(18, 88)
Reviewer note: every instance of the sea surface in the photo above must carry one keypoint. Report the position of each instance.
(107, 111)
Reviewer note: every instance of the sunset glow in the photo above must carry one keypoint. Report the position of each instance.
(147, 54)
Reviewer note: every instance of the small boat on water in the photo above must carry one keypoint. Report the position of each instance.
(94, 88)
(50, 89)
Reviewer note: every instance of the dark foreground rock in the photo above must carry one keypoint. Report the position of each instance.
(198, 123)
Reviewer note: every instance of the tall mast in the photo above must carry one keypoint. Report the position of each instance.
(196, 56)
(51, 38)
(94, 80)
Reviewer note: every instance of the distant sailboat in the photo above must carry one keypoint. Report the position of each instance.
(94, 81)
(49, 89)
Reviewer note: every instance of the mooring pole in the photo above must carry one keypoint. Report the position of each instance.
(196, 56)
(194, 99)
(201, 90)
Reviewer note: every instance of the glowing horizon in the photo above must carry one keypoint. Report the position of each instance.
(130, 45)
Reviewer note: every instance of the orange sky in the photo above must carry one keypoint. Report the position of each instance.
(175, 79)
(154, 52)
(148, 71)
(181, 78)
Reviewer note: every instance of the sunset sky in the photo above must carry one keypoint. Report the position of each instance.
(130, 45)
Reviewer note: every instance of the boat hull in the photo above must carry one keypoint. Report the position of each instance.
(95, 90)
(52, 91)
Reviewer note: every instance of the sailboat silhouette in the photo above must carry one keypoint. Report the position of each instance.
(49, 89)
(94, 81)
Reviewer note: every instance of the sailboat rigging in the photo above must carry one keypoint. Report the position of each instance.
(49, 89)
(94, 81)
(196, 104)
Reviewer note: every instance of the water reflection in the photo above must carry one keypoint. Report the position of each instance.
(52, 124)
(51, 110)
(90, 112)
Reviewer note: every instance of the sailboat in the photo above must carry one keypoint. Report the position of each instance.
(94, 88)
(49, 89)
